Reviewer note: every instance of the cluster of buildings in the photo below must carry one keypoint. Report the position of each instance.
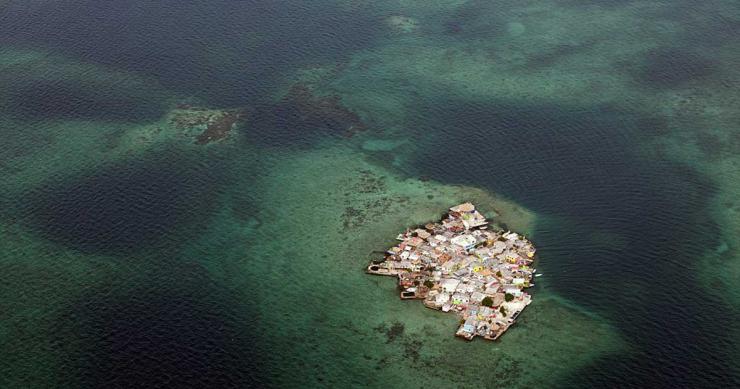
(459, 265)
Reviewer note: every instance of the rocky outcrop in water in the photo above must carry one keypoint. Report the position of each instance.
(216, 124)
(301, 116)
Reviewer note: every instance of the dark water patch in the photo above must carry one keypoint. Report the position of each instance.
(709, 24)
(300, 118)
(124, 208)
(112, 139)
(669, 68)
(697, 368)
(711, 145)
(223, 51)
(472, 20)
(392, 332)
(547, 155)
(242, 207)
(80, 99)
(174, 328)
(654, 125)
(630, 229)
(716, 143)
(453, 27)
(20, 139)
(649, 288)
(720, 30)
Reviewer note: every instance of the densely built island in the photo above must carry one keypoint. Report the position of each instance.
(461, 265)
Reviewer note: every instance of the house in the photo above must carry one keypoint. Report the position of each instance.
(477, 297)
(498, 247)
(511, 236)
(460, 299)
(449, 285)
(498, 299)
(466, 241)
(449, 266)
(511, 289)
(414, 241)
(462, 208)
(474, 219)
(484, 312)
(469, 325)
(455, 226)
(492, 288)
(442, 299)
(443, 258)
(422, 233)
(462, 272)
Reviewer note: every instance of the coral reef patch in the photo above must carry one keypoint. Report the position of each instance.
(301, 116)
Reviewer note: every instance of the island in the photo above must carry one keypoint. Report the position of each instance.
(465, 266)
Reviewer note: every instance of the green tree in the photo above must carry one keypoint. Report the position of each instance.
(508, 297)
(502, 310)
(487, 301)
(428, 284)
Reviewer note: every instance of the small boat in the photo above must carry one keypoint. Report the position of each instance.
(538, 275)
(408, 294)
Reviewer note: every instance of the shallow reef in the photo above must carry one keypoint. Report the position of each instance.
(300, 117)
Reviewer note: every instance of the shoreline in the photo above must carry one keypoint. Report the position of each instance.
(460, 265)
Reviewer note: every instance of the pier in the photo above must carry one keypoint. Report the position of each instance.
(461, 265)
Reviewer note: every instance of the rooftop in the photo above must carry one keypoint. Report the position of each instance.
(461, 265)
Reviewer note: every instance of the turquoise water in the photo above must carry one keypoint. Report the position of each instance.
(131, 256)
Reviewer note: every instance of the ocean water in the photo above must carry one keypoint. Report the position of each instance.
(130, 256)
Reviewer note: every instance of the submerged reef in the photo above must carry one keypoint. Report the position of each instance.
(218, 128)
(300, 116)
(673, 68)
(218, 123)
(403, 24)
(401, 341)
(326, 109)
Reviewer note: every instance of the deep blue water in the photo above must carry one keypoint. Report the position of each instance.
(225, 52)
(578, 166)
